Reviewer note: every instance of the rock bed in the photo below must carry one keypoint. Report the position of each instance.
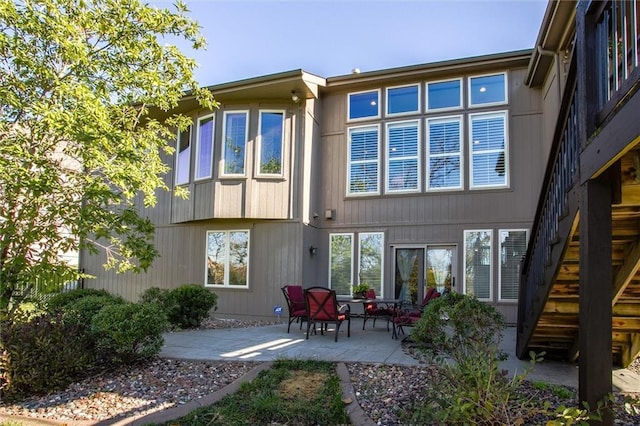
(381, 390)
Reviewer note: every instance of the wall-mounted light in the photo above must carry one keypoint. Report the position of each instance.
(329, 214)
(313, 250)
(294, 97)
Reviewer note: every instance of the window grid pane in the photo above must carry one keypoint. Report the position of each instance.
(363, 161)
(487, 89)
(402, 141)
(364, 105)
(477, 248)
(513, 247)
(216, 258)
(238, 258)
(271, 138)
(341, 263)
(444, 94)
(371, 260)
(235, 139)
(227, 258)
(403, 100)
(205, 147)
(445, 154)
(488, 143)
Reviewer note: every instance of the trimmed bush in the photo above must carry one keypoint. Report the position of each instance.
(60, 300)
(186, 306)
(81, 311)
(129, 332)
(41, 355)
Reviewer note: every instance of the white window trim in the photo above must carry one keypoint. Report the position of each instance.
(399, 114)
(376, 117)
(199, 144)
(460, 104)
(226, 270)
(506, 90)
(464, 262)
(460, 120)
(388, 157)
(259, 144)
(224, 144)
(380, 292)
(507, 168)
(352, 235)
(499, 264)
(177, 152)
(362, 194)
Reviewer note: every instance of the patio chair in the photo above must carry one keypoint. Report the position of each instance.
(294, 296)
(323, 308)
(376, 310)
(408, 314)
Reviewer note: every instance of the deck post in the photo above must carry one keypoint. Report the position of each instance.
(596, 284)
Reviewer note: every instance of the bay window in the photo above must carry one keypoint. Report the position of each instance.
(183, 156)
(234, 141)
(271, 140)
(204, 147)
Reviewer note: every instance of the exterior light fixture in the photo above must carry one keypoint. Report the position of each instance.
(294, 97)
(313, 250)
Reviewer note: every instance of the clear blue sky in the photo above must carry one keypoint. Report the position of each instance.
(331, 37)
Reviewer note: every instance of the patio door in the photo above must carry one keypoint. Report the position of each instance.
(441, 267)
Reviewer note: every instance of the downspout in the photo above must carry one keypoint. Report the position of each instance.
(556, 57)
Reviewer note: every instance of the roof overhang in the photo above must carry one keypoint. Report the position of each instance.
(558, 24)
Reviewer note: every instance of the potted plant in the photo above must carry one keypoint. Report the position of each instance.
(360, 290)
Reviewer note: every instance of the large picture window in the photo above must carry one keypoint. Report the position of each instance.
(513, 247)
(442, 95)
(477, 264)
(341, 263)
(488, 150)
(363, 174)
(234, 136)
(227, 262)
(271, 142)
(371, 260)
(403, 157)
(364, 105)
(204, 148)
(183, 156)
(444, 153)
(403, 100)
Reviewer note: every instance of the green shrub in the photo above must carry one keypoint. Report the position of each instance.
(129, 332)
(188, 305)
(60, 300)
(154, 295)
(41, 355)
(81, 311)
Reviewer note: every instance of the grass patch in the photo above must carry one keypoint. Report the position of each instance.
(291, 392)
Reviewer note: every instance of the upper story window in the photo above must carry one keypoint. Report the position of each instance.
(183, 157)
(363, 161)
(234, 137)
(444, 153)
(488, 90)
(403, 160)
(204, 147)
(488, 150)
(443, 95)
(363, 105)
(271, 141)
(403, 100)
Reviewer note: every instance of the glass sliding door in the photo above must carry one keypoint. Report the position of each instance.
(409, 274)
(441, 268)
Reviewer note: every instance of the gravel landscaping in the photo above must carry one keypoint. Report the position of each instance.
(381, 390)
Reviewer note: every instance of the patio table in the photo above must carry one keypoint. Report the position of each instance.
(395, 302)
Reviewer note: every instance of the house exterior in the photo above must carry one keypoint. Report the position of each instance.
(404, 178)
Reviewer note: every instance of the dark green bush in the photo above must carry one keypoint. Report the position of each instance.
(81, 311)
(60, 300)
(129, 332)
(186, 306)
(41, 355)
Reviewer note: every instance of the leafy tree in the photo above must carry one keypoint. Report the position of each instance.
(85, 88)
